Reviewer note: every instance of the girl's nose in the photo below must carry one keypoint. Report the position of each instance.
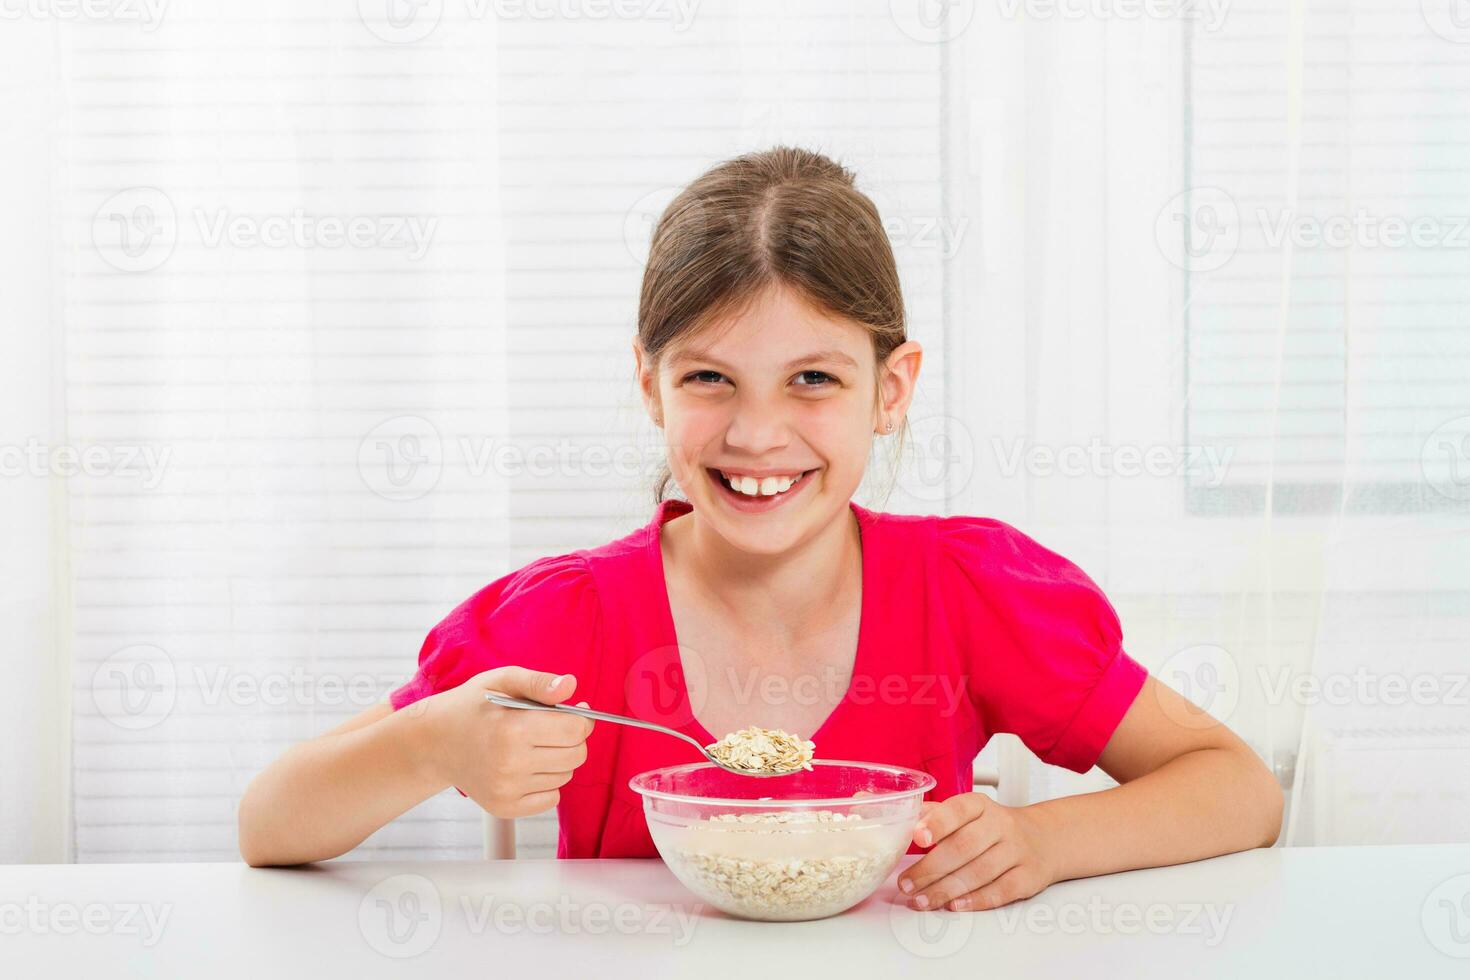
(756, 431)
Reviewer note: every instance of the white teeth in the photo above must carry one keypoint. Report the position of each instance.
(765, 487)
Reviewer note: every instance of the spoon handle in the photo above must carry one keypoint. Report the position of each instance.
(506, 701)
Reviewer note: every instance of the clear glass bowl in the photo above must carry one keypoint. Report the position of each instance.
(782, 848)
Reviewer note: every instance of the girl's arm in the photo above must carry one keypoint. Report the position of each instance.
(325, 796)
(1190, 789)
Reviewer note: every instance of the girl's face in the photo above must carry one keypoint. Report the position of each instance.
(770, 415)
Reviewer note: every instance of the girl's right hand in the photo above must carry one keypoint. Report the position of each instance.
(511, 761)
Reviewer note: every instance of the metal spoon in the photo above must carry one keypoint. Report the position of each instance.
(505, 701)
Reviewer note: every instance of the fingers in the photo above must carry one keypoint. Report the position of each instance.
(977, 873)
(558, 759)
(533, 685)
(949, 855)
(943, 819)
(1009, 887)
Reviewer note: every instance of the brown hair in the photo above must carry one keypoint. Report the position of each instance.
(783, 215)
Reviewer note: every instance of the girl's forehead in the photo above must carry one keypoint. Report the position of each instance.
(774, 328)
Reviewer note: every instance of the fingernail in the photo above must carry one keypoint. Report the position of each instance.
(922, 837)
(921, 902)
(905, 885)
(960, 904)
(555, 681)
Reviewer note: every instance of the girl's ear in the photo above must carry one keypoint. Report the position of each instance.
(900, 378)
(647, 383)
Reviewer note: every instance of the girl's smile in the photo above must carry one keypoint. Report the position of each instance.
(752, 493)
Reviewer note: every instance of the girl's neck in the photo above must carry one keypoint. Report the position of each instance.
(795, 592)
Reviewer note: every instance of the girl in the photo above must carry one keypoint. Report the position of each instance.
(771, 348)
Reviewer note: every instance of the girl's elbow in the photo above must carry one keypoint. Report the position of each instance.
(1274, 806)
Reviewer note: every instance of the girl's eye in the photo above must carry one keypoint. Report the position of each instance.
(819, 378)
(705, 377)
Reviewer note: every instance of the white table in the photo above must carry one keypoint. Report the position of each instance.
(1309, 912)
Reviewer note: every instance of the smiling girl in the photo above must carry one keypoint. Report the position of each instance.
(771, 350)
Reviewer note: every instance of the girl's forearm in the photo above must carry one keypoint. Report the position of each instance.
(325, 796)
(1201, 804)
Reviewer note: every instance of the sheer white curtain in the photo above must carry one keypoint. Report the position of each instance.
(1197, 241)
(339, 302)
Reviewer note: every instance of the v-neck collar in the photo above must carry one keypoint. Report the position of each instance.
(867, 522)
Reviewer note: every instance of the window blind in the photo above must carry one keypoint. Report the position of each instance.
(1329, 223)
(316, 269)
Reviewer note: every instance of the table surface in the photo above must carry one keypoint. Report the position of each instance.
(1340, 912)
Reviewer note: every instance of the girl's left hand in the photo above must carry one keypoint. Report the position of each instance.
(984, 856)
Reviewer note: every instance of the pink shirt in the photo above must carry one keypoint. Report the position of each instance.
(968, 628)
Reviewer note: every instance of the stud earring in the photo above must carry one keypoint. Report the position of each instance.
(889, 426)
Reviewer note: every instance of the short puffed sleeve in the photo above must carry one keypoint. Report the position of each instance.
(543, 616)
(1042, 642)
